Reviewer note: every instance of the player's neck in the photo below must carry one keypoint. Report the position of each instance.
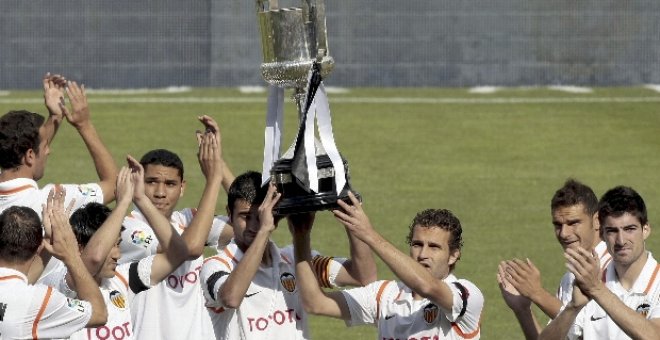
(18, 172)
(629, 273)
(23, 267)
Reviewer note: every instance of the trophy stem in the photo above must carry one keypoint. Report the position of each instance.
(298, 96)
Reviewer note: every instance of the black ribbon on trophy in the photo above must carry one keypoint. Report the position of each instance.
(311, 174)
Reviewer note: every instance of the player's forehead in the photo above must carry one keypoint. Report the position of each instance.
(159, 171)
(430, 234)
(242, 206)
(569, 212)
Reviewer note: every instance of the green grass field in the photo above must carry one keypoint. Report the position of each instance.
(495, 160)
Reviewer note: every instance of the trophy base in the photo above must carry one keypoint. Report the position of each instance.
(311, 203)
(296, 199)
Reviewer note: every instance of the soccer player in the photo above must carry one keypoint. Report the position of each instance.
(174, 309)
(25, 139)
(98, 228)
(37, 311)
(251, 286)
(573, 208)
(24, 148)
(428, 302)
(622, 302)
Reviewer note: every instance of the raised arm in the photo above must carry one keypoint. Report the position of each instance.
(232, 292)
(104, 239)
(360, 269)
(519, 304)
(526, 278)
(211, 164)
(64, 247)
(54, 100)
(79, 117)
(314, 299)
(413, 274)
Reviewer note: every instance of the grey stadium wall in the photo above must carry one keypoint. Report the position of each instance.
(457, 43)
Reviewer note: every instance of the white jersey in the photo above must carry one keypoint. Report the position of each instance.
(37, 311)
(118, 293)
(593, 323)
(25, 192)
(391, 307)
(565, 290)
(174, 308)
(271, 308)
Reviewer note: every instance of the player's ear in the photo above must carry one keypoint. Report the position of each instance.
(28, 158)
(228, 213)
(454, 256)
(646, 230)
(183, 188)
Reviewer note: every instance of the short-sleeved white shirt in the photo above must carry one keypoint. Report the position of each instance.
(271, 308)
(37, 311)
(174, 308)
(118, 293)
(593, 323)
(390, 306)
(565, 290)
(25, 192)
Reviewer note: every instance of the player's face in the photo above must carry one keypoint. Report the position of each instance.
(429, 246)
(164, 186)
(41, 157)
(575, 227)
(110, 264)
(245, 220)
(625, 236)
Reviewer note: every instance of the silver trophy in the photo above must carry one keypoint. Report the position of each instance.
(311, 175)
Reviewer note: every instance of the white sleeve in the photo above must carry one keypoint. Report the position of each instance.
(364, 303)
(137, 240)
(57, 279)
(565, 290)
(219, 224)
(81, 193)
(213, 275)
(62, 316)
(467, 306)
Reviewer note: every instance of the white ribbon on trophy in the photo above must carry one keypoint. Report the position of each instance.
(319, 112)
(273, 133)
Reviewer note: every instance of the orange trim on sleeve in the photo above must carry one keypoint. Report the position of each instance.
(604, 277)
(655, 273)
(42, 309)
(228, 253)
(15, 190)
(458, 331)
(378, 297)
(121, 278)
(215, 258)
(603, 253)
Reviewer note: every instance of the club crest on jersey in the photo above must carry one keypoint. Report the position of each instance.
(288, 282)
(430, 313)
(643, 309)
(87, 189)
(141, 238)
(76, 305)
(118, 299)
